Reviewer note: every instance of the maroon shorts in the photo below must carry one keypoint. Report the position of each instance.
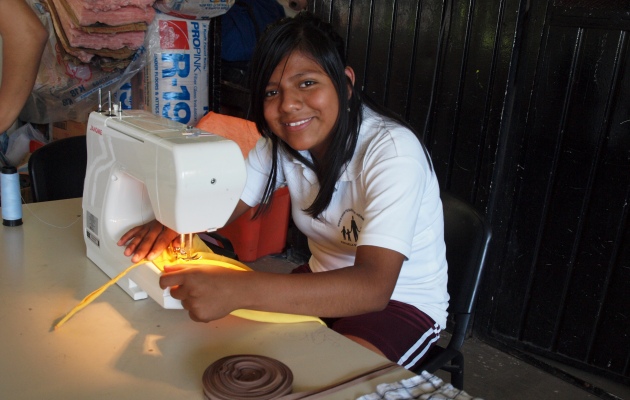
(402, 332)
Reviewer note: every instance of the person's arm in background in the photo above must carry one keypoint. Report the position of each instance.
(23, 41)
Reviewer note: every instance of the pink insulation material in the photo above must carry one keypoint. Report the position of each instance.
(100, 5)
(78, 38)
(82, 55)
(115, 17)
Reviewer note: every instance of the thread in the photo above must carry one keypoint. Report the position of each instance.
(11, 198)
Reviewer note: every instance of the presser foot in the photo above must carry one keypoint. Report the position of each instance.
(182, 254)
(184, 250)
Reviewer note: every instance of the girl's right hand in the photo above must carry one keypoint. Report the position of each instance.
(147, 241)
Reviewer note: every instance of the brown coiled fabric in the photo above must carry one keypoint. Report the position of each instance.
(247, 377)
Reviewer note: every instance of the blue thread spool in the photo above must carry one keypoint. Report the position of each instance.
(11, 198)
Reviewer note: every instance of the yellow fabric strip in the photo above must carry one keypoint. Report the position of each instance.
(92, 296)
(201, 255)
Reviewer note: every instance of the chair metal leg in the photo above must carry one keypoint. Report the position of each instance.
(457, 373)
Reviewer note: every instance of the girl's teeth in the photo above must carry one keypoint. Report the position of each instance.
(297, 123)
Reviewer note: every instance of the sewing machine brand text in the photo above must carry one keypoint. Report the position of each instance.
(96, 130)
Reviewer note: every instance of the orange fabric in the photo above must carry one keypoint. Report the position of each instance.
(240, 130)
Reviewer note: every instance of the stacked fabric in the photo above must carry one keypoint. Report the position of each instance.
(107, 33)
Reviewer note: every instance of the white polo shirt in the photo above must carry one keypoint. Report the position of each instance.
(388, 196)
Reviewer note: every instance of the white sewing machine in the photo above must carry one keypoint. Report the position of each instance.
(141, 166)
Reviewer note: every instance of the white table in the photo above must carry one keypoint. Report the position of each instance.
(117, 348)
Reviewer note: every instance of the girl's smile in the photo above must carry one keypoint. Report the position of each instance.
(299, 123)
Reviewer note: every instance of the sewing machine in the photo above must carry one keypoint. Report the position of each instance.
(142, 167)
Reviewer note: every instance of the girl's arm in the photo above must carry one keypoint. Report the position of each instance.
(209, 293)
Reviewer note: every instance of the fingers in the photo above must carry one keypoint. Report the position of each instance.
(130, 234)
(164, 238)
(134, 238)
(199, 313)
(180, 291)
(146, 241)
(173, 268)
(196, 291)
(193, 316)
(172, 277)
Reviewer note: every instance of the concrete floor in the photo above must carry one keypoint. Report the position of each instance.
(493, 374)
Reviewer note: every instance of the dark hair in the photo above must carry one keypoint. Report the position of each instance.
(311, 36)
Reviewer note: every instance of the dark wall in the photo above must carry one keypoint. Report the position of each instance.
(565, 264)
(525, 108)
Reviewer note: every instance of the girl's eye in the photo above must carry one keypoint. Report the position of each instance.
(270, 93)
(307, 83)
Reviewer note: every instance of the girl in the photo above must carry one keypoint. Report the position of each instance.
(362, 190)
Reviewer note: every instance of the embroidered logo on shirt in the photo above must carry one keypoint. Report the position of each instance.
(350, 225)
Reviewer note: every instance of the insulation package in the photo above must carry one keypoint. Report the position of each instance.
(176, 76)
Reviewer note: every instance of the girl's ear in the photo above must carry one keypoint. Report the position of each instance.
(350, 74)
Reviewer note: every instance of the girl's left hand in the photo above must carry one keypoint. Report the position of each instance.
(206, 292)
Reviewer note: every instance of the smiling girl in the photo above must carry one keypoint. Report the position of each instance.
(362, 189)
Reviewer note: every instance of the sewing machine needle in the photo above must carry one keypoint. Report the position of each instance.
(185, 245)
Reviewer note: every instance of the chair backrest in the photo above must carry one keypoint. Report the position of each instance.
(467, 237)
(57, 169)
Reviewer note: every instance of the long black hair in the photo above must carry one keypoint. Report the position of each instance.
(313, 37)
(309, 35)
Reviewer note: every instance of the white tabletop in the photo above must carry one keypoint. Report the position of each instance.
(120, 348)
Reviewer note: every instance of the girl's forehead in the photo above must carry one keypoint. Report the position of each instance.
(298, 62)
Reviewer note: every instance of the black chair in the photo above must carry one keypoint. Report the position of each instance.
(57, 169)
(467, 237)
